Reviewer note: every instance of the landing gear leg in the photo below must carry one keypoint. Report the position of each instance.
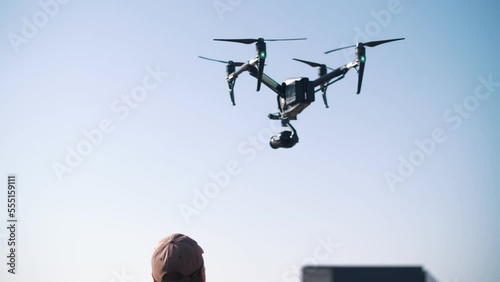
(230, 84)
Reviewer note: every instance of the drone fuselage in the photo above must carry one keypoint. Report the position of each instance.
(298, 95)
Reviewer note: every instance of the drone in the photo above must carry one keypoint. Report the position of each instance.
(294, 94)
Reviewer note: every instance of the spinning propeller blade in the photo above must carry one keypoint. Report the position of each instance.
(375, 43)
(338, 49)
(238, 64)
(312, 64)
(286, 39)
(368, 44)
(244, 41)
(251, 40)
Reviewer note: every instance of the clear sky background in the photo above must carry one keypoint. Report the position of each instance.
(180, 158)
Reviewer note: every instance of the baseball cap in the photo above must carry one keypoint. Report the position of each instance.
(176, 257)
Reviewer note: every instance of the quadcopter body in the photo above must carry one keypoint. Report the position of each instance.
(294, 94)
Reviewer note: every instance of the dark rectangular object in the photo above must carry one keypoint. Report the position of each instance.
(298, 95)
(300, 91)
(365, 274)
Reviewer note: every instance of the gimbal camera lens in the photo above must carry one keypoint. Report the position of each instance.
(286, 139)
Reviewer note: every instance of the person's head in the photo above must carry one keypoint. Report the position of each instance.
(178, 258)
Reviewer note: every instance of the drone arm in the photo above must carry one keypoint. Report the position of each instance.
(268, 81)
(246, 67)
(254, 71)
(335, 73)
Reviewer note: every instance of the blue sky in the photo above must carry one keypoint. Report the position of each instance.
(120, 135)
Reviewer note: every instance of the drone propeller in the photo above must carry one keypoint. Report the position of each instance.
(368, 44)
(361, 55)
(238, 64)
(321, 71)
(312, 64)
(251, 40)
(261, 51)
